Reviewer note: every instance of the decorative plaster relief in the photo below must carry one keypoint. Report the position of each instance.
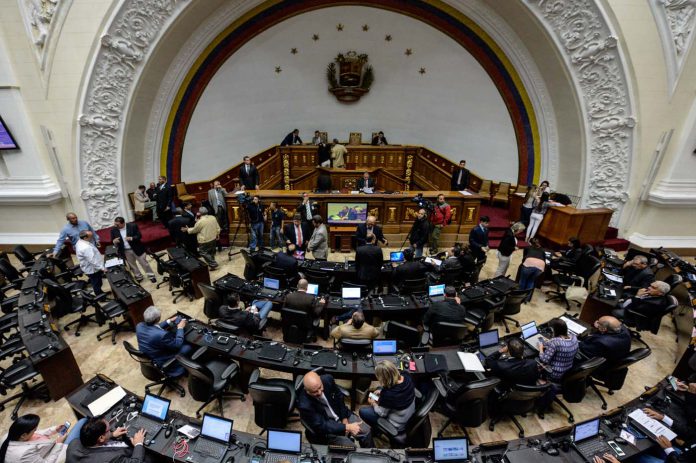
(41, 18)
(134, 29)
(585, 37)
(675, 23)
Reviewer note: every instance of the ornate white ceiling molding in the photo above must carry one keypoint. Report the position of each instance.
(131, 34)
(675, 21)
(42, 21)
(588, 44)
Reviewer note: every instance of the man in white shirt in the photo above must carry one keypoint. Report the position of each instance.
(90, 260)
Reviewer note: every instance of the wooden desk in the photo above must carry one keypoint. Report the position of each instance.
(344, 236)
(515, 207)
(589, 225)
(60, 372)
(347, 179)
(596, 307)
(197, 269)
(137, 305)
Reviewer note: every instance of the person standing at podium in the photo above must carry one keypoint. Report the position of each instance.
(293, 138)
(460, 177)
(338, 153)
(248, 175)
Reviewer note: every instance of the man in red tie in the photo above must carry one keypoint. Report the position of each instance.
(297, 233)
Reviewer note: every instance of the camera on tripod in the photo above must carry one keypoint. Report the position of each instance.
(423, 203)
(245, 198)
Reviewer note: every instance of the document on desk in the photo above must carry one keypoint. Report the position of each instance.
(465, 193)
(470, 361)
(575, 327)
(652, 426)
(435, 262)
(612, 277)
(113, 262)
(105, 402)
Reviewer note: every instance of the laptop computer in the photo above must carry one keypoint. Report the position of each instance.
(488, 342)
(587, 441)
(153, 414)
(384, 349)
(531, 335)
(313, 289)
(270, 287)
(350, 297)
(396, 256)
(451, 450)
(283, 445)
(436, 293)
(214, 437)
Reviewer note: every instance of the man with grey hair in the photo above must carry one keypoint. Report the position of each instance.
(163, 341)
(650, 301)
(71, 231)
(610, 339)
(319, 242)
(207, 231)
(90, 260)
(636, 274)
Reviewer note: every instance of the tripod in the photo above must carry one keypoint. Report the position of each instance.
(408, 235)
(245, 217)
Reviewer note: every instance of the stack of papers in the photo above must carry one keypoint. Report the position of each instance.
(465, 193)
(436, 262)
(612, 277)
(113, 262)
(654, 428)
(470, 361)
(104, 403)
(573, 326)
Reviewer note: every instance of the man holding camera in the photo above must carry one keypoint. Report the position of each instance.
(440, 216)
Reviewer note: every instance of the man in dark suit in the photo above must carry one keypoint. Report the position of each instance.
(293, 138)
(164, 198)
(511, 367)
(379, 139)
(322, 407)
(298, 233)
(449, 310)
(248, 175)
(460, 177)
(181, 238)
(127, 239)
(478, 239)
(650, 301)
(410, 270)
(187, 213)
(366, 182)
(611, 340)
(161, 342)
(285, 261)
(637, 274)
(301, 300)
(370, 226)
(307, 209)
(368, 262)
(98, 444)
(420, 232)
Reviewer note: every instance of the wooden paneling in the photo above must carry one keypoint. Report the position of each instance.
(589, 225)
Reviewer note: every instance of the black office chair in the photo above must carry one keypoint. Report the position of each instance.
(315, 437)
(9, 326)
(448, 334)
(151, 371)
(13, 276)
(418, 430)
(406, 336)
(20, 374)
(13, 348)
(251, 270)
(109, 312)
(73, 301)
(213, 301)
(274, 400)
(468, 405)
(644, 322)
(673, 281)
(298, 326)
(173, 275)
(575, 382)
(324, 279)
(351, 345)
(481, 313)
(513, 306)
(517, 401)
(612, 377)
(586, 267)
(24, 256)
(8, 303)
(209, 380)
(417, 286)
(286, 280)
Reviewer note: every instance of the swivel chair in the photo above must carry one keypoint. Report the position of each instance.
(586, 267)
(20, 374)
(418, 430)
(318, 277)
(110, 312)
(73, 302)
(406, 336)
(416, 286)
(24, 256)
(9, 326)
(151, 371)
(574, 384)
(354, 346)
(13, 276)
(513, 306)
(208, 381)
(447, 334)
(251, 270)
(518, 400)
(8, 303)
(286, 280)
(612, 377)
(298, 326)
(467, 406)
(673, 281)
(213, 301)
(274, 400)
(646, 322)
(173, 275)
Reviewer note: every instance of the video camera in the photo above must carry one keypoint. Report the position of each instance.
(423, 203)
(245, 198)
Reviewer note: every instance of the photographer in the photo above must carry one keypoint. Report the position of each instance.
(419, 233)
(440, 216)
(257, 216)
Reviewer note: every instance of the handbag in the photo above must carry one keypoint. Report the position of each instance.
(575, 292)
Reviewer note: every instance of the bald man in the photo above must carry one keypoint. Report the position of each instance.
(610, 339)
(321, 405)
(370, 226)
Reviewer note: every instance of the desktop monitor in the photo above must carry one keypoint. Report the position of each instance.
(397, 256)
(451, 450)
(343, 213)
(488, 338)
(216, 428)
(155, 407)
(313, 289)
(284, 441)
(350, 293)
(436, 290)
(384, 347)
(271, 283)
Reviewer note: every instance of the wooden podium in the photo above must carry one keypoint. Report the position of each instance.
(589, 225)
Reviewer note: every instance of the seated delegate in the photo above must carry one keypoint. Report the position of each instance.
(511, 367)
(98, 444)
(355, 328)
(396, 400)
(301, 300)
(248, 318)
(163, 341)
(449, 310)
(636, 274)
(558, 353)
(610, 339)
(25, 442)
(650, 301)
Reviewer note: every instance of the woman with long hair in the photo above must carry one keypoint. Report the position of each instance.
(25, 443)
(541, 205)
(528, 205)
(395, 400)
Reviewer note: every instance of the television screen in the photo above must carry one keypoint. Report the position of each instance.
(339, 213)
(6, 140)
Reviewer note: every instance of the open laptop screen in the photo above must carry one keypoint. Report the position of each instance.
(284, 441)
(586, 430)
(451, 450)
(271, 283)
(312, 289)
(350, 293)
(397, 256)
(529, 330)
(488, 338)
(216, 428)
(155, 407)
(384, 347)
(436, 290)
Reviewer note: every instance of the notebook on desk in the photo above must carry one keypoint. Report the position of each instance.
(153, 415)
(489, 342)
(214, 439)
(396, 256)
(350, 297)
(270, 287)
(531, 335)
(313, 289)
(436, 293)
(588, 442)
(451, 450)
(283, 446)
(384, 350)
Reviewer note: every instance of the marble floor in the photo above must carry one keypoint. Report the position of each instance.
(113, 361)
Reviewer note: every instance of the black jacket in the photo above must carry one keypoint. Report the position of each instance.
(420, 233)
(478, 238)
(651, 306)
(410, 271)
(291, 139)
(286, 262)
(182, 238)
(313, 412)
(136, 245)
(300, 300)
(165, 195)
(241, 318)
(507, 244)
(361, 234)
(638, 278)
(368, 263)
(512, 370)
(370, 183)
(302, 210)
(468, 262)
(445, 311)
(78, 453)
(250, 179)
(465, 180)
(289, 234)
(611, 346)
